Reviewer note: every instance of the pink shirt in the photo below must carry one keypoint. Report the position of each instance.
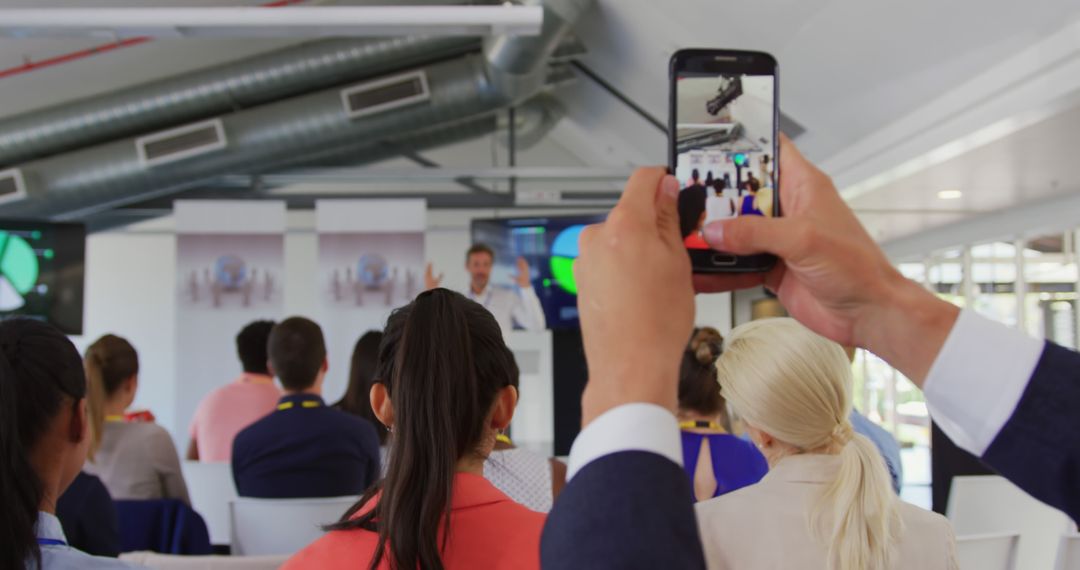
(225, 411)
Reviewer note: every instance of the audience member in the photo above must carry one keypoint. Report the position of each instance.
(227, 410)
(134, 459)
(451, 387)
(303, 448)
(88, 516)
(362, 370)
(44, 437)
(692, 214)
(716, 461)
(827, 498)
(514, 308)
(527, 477)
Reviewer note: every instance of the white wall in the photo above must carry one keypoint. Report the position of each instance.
(130, 291)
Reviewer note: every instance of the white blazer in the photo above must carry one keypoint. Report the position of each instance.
(765, 526)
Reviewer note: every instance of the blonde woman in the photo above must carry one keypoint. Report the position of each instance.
(826, 502)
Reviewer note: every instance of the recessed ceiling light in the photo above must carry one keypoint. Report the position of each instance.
(950, 194)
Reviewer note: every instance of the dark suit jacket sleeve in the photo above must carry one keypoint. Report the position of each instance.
(627, 510)
(1038, 449)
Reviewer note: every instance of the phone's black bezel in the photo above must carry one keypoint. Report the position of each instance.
(718, 61)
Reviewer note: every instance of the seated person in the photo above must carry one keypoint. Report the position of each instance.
(716, 461)
(692, 216)
(529, 478)
(451, 386)
(87, 513)
(134, 459)
(44, 436)
(357, 398)
(227, 410)
(826, 501)
(303, 448)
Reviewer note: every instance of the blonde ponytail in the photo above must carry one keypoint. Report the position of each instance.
(95, 401)
(795, 385)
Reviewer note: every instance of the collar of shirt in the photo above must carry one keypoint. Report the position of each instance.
(482, 295)
(297, 399)
(805, 468)
(252, 378)
(48, 527)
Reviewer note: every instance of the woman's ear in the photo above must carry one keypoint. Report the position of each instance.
(381, 404)
(505, 403)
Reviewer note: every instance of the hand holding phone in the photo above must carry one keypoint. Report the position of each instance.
(723, 144)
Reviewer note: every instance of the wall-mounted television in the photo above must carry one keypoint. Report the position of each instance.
(42, 270)
(550, 245)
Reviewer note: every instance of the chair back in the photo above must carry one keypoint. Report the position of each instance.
(172, 562)
(1068, 557)
(989, 504)
(211, 487)
(281, 526)
(168, 526)
(987, 551)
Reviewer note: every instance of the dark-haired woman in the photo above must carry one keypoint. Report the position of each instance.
(362, 369)
(716, 461)
(450, 385)
(44, 436)
(135, 459)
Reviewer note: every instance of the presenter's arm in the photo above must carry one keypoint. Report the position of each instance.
(528, 313)
(995, 391)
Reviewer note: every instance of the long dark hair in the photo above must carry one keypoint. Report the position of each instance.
(699, 388)
(362, 369)
(445, 362)
(40, 371)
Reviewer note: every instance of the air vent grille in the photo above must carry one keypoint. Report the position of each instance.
(12, 186)
(386, 94)
(180, 143)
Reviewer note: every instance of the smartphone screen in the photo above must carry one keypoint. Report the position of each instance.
(724, 147)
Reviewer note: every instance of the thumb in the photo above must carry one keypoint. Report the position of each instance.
(667, 210)
(749, 235)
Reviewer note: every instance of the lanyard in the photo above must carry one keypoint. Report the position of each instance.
(115, 419)
(51, 542)
(303, 404)
(700, 425)
(503, 438)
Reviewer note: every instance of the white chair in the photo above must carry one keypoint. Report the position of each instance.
(211, 487)
(988, 504)
(174, 562)
(281, 526)
(987, 551)
(1068, 557)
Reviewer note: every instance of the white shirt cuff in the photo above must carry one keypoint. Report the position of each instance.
(978, 378)
(629, 427)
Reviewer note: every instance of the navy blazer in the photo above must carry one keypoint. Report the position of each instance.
(88, 516)
(1038, 449)
(627, 510)
(305, 450)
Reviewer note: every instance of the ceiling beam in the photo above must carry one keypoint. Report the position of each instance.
(300, 21)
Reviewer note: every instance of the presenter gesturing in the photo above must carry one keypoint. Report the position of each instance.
(515, 307)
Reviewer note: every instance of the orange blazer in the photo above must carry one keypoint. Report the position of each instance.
(488, 531)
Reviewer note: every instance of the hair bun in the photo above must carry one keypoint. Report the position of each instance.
(707, 345)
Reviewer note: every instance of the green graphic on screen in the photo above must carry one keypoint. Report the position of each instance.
(563, 253)
(18, 271)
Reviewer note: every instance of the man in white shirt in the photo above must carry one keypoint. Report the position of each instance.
(513, 308)
(996, 392)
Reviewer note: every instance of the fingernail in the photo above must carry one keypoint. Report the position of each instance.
(670, 186)
(714, 233)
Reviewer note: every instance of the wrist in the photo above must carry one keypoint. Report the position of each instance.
(604, 392)
(907, 326)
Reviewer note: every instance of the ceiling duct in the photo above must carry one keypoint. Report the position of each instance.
(214, 91)
(180, 143)
(90, 180)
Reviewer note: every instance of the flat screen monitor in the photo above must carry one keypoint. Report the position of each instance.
(550, 245)
(42, 270)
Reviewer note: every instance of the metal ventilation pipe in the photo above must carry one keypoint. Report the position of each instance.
(110, 175)
(208, 92)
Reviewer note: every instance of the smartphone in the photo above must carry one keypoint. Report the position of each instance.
(722, 146)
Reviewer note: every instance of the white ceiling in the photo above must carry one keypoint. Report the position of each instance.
(850, 70)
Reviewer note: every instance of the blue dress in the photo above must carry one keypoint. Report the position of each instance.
(736, 463)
